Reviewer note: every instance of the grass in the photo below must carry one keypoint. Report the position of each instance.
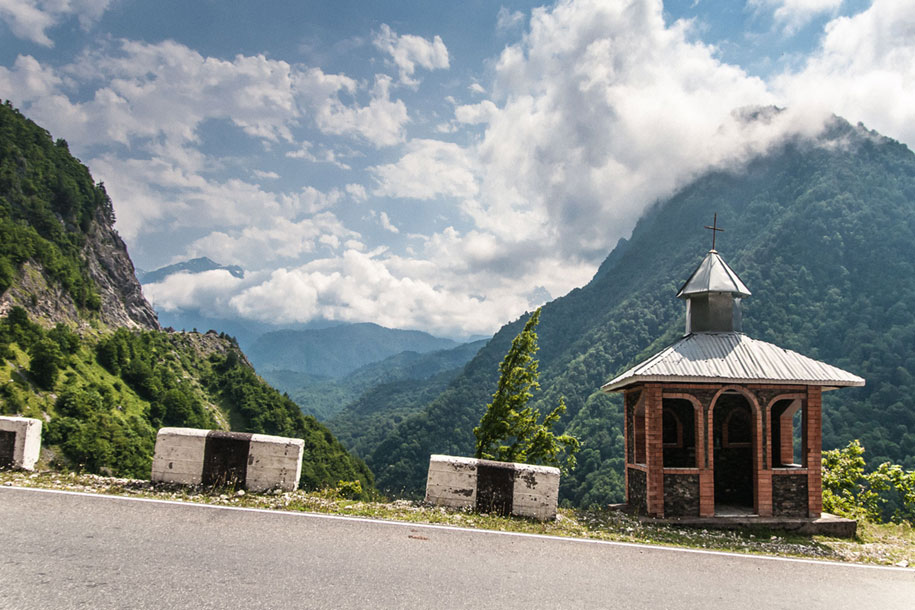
(883, 544)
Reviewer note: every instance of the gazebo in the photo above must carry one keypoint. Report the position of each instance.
(712, 422)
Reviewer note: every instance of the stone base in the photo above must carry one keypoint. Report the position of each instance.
(20, 442)
(825, 525)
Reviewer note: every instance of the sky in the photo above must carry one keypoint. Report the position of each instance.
(441, 166)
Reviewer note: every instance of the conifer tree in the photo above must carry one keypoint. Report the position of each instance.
(510, 430)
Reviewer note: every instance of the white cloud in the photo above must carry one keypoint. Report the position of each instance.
(474, 114)
(507, 20)
(409, 51)
(209, 291)
(273, 240)
(428, 169)
(386, 223)
(266, 175)
(602, 109)
(356, 191)
(397, 293)
(167, 91)
(322, 156)
(863, 71)
(794, 14)
(381, 122)
(30, 19)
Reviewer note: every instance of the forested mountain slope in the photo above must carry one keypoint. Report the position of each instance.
(823, 234)
(80, 346)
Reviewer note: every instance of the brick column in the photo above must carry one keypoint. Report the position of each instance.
(762, 466)
(764, 493)
(814, 451)
(706, 492)
(654, 449)
(626, 444)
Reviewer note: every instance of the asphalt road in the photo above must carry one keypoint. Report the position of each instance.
(62, 550)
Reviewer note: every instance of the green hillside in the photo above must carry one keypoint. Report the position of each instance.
(103, 390)
(823, 234)
(48, 201)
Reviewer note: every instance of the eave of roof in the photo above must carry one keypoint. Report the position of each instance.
(732, 358)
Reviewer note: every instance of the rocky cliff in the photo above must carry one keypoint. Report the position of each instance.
(60, 257)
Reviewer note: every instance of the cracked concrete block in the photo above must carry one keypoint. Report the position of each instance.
(20, 442)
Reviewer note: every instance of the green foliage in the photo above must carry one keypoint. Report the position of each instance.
(884, 494)
(510, 430)
(45, 363)
(116, 392)
(47, 202)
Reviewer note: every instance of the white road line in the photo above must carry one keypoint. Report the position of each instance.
(455, 528)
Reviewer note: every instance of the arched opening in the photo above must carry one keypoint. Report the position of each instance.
(788, 433)
(733, 438)
(678, 428)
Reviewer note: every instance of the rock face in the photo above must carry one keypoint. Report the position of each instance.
(122, 300)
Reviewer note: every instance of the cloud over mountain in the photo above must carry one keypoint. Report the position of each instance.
(407, 188)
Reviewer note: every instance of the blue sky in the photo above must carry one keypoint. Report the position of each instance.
(443, 166)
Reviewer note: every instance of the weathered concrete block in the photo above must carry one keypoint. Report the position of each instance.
(256, 462)
(504, 488)
(536, 491)
(178, 457)
(452, 482)
(274, 461)
(20, 442)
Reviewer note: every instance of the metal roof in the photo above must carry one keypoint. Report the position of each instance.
(732, 358)
(713, 275)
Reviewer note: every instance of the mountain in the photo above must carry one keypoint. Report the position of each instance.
(823, 234)
(338, 350)
(80, 348)
(60, 257)
(392, 391)
(326, 398)
(195, 265)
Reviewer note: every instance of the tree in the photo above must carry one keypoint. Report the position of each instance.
(510, 430)
(886, 493)
(45, 364)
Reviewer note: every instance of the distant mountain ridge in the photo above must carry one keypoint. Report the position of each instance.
(195, 265)
(337, 350)
(328, 399)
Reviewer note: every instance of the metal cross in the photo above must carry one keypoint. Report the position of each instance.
(714, 229)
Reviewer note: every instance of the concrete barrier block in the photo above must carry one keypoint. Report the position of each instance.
(20, 442)
(178, 457)
(522, 490)
(452, 482)
(274, 462)
(256, 462)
